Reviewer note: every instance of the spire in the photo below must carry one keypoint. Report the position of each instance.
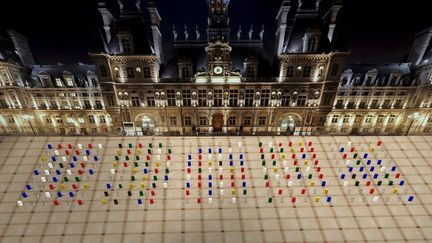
(198, 34)
(261, 34)
(218, 21)
(239, 33)
(186, 33)
(250, 33)
(175, 35)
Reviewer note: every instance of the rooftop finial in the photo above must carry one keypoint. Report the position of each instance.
(261, 34)
(239, 33)
(250, 32)
(198, 34)
(317, 4)
(175, 33)
(138, 4)
(120, 3)
(186, 33)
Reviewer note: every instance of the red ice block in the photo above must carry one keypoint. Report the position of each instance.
(280, 192)
(140, 145)
(51, 186)
(199, 163)
(312, 149)
(301, 149)
(67, 152)
(313, 156)
(80, 172)
(232, 176)
(321, 175)
(272, 156)
(59, 146)
(74, 186)
(153, 193)
(125, 164)
(293, 200)
(220, 177)
(368, 183)
(128, 151)
(290, 143)
(371, 191)
(156, 170)
(200, 156)
(187, 192)
(56, 202)
(303, 191)
(316, 162)
(295, 162)
(90, 146)
(77, 152)
(169, 157)
(288, 176)
(199, 200)
(199, 177)
(148, 157)
(243, 176)
(293, 156)
(80, 202)
(188, 170)
(280, 144)
(82, 165)
(397, 175)
(242, 169)
(267, 184)
(232, 184)
(379, 143)
(70, 146)
(352, 149)
(318, 169)
(151, 201)
(199, 184)
(261, 150)
(344, 156)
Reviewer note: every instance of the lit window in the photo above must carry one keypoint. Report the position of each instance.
(262, 120)
(126, 45)
(232, 121)
(203, 121)
(59, 83)
(311, 44)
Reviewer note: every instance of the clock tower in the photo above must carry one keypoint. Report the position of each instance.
(218, 59)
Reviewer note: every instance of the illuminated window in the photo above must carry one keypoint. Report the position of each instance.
(217, 98)
(171, 97)
(203, 121)
(265, 97)
(233, 98)
(202, 94)
(391, 118)
(173, 121)
(59, 83)
(249, 97)
(311, 44)
(69, 81)
(335, 119)
(135, 101)
(91, 119)
(187, 98)
(301, 101)
(247, 121)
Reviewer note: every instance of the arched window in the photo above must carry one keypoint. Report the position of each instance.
(186, 72)
(311, 44)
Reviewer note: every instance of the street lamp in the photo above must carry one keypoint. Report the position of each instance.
(414, 116)
(28, 118)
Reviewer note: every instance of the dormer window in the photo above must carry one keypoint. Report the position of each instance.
(185, 72)
(311, 44)
(250, 72)
(126, 45)
(290, 71)
(146, 72)
(59, 82)
(69, 81)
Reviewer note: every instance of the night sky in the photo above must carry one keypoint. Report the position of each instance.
(63, 30)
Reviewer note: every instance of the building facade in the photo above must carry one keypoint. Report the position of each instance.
(215, 79)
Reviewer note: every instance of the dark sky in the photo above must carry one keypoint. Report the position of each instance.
(63, 30)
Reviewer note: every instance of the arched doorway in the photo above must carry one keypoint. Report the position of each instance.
(217, 122)
(289, 123)
(145, 125)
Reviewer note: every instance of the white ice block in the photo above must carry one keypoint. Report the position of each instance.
(43, 179)
(20, 203)
(47, 194)
(233, 200)
(100, 146)
(79, 146)
(69, 172)
(47, 172)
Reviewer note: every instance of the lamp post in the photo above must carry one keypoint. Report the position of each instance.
(28, 118)
(124, 96)
(414, 116)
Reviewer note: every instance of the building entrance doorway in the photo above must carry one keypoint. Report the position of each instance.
(146, 124)
(288, 125)
(217, 122)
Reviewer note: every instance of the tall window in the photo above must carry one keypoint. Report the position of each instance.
(188, 121)
(126, 45)
(147, 72)
(368, 119)
(265, 97)
(307, 71)
(262, 120)
(91, 119)
(247, 121)
(103, 71)
(110, 100)
(203, 121)
(98, 104)
(301, 100)
(286, 99)
(374, 104)
(69, 81)
(130, 72)
(87, 104)
(187, 100)
(186, 72)
(249, 97)
(232, 121)
(59, 83)
(151, 100)
(173, 121)
(290, 71)
(217, 98)
(339, 104)
(250, 71)
(311, 44)
(398, 104)
(391, 118)
(202, 97)
(135, 101)
(171, 97)
(335, 119)
(233, 98)
(102, 119)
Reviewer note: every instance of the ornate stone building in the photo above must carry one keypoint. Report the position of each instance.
(215, 80)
